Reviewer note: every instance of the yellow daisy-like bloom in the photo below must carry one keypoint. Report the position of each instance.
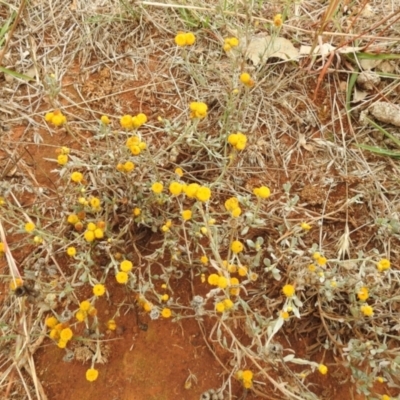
(198, 110)
(220, 307)
(288, 290)
(99, 289)
(230, 42)
(71, 251)
(367, 310)
(204, 260)
(147, 306)
(38, 240)
(234, 291)
(190, 38)
(76, 177)
(213, 279)
(81, 315)
(383, 264)
(62, 159)
(278, 20)
(245, 78)
(105, 120)
(29, 227)
(2, 247)
(242, 270)
(85, 305)
(312, 268)
(16, 283)
(121, 277)
(166, 313)
(385, 397)
(54, 334)
(228, 303)
(89, 236)
(111, 325)
(305, 226)
(186, 215)
(179, 172)
(175, 188)
(185, 39)
(238, 140)
(323, 369)
(62, 344)
(51, 322)
(136, 211)
(380, 379)
(91, 226)
(95, 202)
(236, 212)
(247, 384)
(203, 230)
(56, 118)
(191, 190)
(164, 297)
(126, 266)
(263, 192)
(247, 375)
(92, 374)
(222, 282)
(128, 166)
(66, 334)
(285, 315)
(363, 294)
(72, 219)
(203, 194)
(98, 233)
(157, 187)
(126, 122)
(231, 203)
(139, 120)
(237, 246)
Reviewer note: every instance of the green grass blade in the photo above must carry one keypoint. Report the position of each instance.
(385, 132)
(380, 151)
(350, 86)
(15, 74)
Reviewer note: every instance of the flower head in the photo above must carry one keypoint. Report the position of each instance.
(198, 110)
(278, 20)
(305, 226)
(213, 279)
(230, 42)
(323, 369)
(237, 246)
(76, 177)
(186, 215)
(51, 322)
(157, 187)
(203, 193)
(183, 39)
(363, 294)
(71, 251)
(237, 140)
(126, 122)
(92, 374)
(288, 290)
(85, 305)
(56, 118)
(126, 266)
(262, 192)
(111, 325)
(105, 120)
(66, 334)
(367, 310)
(99, 289)
(245, 78)
(121, 277)
(29, 227)
(191, 190)
(166, 313)
(383, 264)
(175, 188)
(220, 307)
(62, 159)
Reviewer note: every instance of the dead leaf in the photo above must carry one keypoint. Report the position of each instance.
(263, 47)
(303, 143)
(359, 95)
(73, 6)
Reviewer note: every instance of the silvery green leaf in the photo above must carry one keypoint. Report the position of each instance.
(244, 230)
(250, 243)
(267, 262)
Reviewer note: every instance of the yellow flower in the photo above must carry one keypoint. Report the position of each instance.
(85, 305)
(147, 306)
(380, 379)
(237, 246)
(95, 202)
(157, 187)
(99, 289)
(198, 110)
(363, 294)
(126, 122)
(368, 311)
(247, 375)
(231, 203)
(66, 334)
(166, 313)
(383, 264)
(236, 212)
(278, 20)
(204, 260)
(51, 322)
(80, 315)
(38, 240)
(164, 297)
(220, 307)
(230, 42)
(263, 192)
(179, 172)
(284, 314)
(385, 397)
(89, 236)
(136, 211)
(213, 279)
(92, 374)
(62, 344)
(245, 78)
(121, 277)
(288, 290)
(91, 226)
(185, 39)
(203, 194)
(247, 384)
(105, 120)
(228, 303)
(98, 233)
(191, 190)
(72, 219)
(175, 188)
(62, 159)
(203, 230)
(29, 227)
(111, 325)
(312, 268)
(222, 282)
(139, 120)
(76, 177)
(242, 270)
(2, 248)
(323, 369)
(237, 140)
(56, 118)
(305, 226)
(234, 291)
(126, 266)
(71, 251)
(186, 215)
(128, 166)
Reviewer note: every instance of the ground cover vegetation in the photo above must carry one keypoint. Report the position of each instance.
(232, 164)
